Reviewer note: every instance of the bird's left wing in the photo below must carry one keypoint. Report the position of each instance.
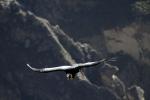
(52, 69)
(90, 64)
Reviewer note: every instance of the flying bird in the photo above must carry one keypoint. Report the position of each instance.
(71, 71)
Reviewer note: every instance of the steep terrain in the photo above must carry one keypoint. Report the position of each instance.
(27, 38)
(81, 18)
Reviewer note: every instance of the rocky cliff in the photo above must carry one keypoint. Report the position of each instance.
(27, 38)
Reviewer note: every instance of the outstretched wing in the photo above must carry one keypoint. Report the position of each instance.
(45, 70)
(90, 64)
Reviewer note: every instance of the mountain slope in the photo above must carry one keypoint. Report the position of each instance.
(26, 38)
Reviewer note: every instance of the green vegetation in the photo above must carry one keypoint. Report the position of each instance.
(142, 7)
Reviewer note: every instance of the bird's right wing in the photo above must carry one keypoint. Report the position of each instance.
(94, 63)
(90, 64)
(52, 69)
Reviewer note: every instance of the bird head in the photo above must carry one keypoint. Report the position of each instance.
(69, 76)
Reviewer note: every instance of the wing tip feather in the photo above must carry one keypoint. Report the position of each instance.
(31, 67)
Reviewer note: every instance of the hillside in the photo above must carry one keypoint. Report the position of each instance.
(49, 33)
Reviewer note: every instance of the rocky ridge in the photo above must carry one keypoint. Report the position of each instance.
(27, 38)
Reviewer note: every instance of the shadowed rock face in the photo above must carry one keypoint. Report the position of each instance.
(27, 38)
(136, 93)
(87, 16)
